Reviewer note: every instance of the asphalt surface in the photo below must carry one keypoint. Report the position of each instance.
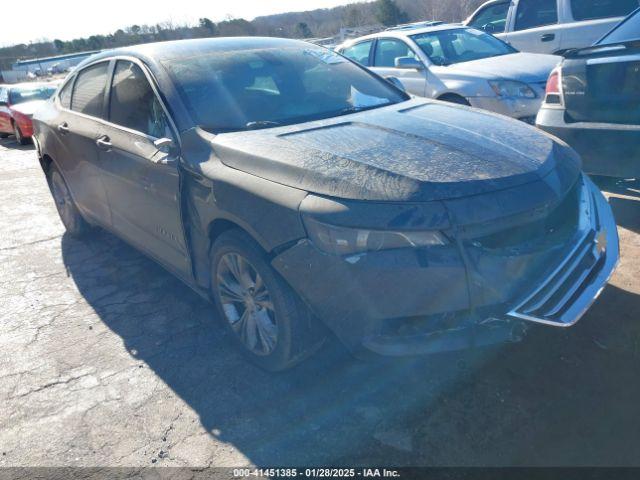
(107, 360)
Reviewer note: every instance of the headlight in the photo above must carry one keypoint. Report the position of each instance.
(349, 241)
(512, 89)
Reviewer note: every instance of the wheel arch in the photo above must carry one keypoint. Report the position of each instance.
(452, 97)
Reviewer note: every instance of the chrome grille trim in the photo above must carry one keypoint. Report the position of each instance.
(564, 296)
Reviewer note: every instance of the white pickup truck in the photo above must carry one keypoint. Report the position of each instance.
(550, 26)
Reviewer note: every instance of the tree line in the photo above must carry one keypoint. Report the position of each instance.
(318, 23)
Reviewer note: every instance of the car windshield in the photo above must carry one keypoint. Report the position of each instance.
(446, 47)
(262, 88)
(628, 30)
(28, 94)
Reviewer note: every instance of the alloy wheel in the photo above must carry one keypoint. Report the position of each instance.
(247, 304)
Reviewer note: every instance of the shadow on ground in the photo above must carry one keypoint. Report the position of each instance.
(10, 142)
(562, 397)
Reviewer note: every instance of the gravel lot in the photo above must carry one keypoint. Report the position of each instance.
(106, 359)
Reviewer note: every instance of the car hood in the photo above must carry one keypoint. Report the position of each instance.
(525, 67)
(419, 150)
(28, 108)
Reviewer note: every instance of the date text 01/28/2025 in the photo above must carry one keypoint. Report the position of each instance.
(316, 473)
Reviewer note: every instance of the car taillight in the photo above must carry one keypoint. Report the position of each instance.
(554, 88)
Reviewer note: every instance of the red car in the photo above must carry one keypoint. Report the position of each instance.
(17, 105)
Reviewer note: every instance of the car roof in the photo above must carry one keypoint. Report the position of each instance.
(162, 51)
(405, 33)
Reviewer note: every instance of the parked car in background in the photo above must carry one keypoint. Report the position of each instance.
(18, 104)
(458, 64)
(550, 26)
(593, 102)
(299, 192)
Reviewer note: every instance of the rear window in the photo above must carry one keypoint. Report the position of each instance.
(627, 31)
(593, 9)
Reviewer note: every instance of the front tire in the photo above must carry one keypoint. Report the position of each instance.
(71, 217)
(272, 326)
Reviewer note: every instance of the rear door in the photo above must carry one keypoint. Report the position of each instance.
(77, 127)
(387, 51)
(534, 26)
(142, 179)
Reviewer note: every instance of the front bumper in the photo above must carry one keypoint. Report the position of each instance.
(409, 302)
(519, 108)
(606, 149)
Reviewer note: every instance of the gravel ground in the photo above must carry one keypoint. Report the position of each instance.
(107, 360)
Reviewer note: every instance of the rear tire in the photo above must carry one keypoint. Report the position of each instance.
(18, 133)
(273, 327)
(4, 135)
(71, 217)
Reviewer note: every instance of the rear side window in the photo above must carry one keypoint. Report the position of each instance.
(4, 95)
(492, 19)
(88, 91)
(536, 13)
(359, 52)
(134, 104)
(65, 94)
(593, 9)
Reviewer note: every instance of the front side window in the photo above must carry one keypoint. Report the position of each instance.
(359, 52)
(30, 93)
(388, 50)
(267, 87)
(536, 13)
(89, 90)
(446, 47)
(593, 9)
(134, 104)
(492, 19)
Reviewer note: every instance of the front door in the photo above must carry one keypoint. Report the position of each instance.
(142, 179)
(387, 50)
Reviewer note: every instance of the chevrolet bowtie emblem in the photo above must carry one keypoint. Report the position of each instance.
(601, 242)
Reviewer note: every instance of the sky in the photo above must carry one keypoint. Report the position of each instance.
(69, 19)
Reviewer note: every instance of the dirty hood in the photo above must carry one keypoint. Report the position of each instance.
(419, 150)
(524, 67)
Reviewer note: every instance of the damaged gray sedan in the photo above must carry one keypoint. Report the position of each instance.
(306, 196)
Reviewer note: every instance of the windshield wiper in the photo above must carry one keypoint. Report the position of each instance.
(356, 109)
(261, 124)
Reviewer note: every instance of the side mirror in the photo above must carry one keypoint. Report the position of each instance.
(409, 63)
(395, 81)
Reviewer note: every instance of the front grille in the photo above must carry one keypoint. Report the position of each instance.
(565, 294)
(552, 299)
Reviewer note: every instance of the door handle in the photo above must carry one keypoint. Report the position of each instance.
(104, 143)
(63, 128)
(548, 37)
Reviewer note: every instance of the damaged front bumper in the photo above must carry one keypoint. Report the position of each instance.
(468, 293)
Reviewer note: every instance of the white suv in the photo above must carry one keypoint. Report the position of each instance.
(550, 26)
